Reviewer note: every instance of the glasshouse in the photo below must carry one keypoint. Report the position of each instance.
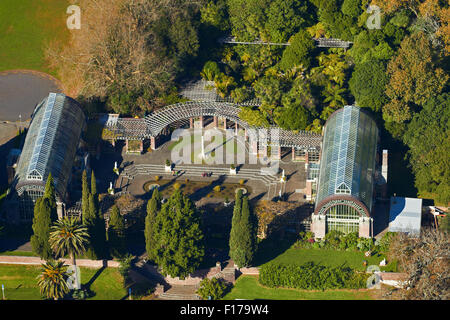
(347, 169)
(50, 146)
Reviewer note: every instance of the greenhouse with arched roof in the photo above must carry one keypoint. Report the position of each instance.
(347, 169)
(50, 147)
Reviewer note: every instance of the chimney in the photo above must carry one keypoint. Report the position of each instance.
(384, 165)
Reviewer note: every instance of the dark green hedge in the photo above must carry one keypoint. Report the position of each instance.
(310, 276)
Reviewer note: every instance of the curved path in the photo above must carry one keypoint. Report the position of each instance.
(21, 90)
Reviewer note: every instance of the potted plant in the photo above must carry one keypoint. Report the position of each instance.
(168, 166)
(232, 169)
(226, 202)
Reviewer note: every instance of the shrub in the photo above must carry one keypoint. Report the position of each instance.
(232, 166)
(168, 163)
(176, 186)
(310, 276)
(217, 189)
(213, 289)
(241, 182)
(124, 268)
(157, 178)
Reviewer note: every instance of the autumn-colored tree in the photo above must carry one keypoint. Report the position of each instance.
(414, 78)
(425, 260)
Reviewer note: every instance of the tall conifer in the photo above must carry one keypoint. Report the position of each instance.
(116, 234)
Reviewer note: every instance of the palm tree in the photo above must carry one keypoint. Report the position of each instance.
(333, 96)
(69, 236)
(52, 281)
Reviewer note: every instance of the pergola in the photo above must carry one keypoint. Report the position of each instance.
(152, 125)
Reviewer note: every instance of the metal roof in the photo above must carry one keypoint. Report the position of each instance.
(405, 215)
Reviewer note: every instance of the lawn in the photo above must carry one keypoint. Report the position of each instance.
(26, 26)
(333, 258)
(20, 282)
(248, 287)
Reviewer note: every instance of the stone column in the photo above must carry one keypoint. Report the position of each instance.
(278, 156)
(263, 151)
(191, 123)
(153, 143)
(365, 227)
(215, 121)
(254, 146)
(318, 225)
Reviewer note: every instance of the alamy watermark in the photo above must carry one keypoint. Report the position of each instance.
(74, 20)
(214, 146)
(374, 20)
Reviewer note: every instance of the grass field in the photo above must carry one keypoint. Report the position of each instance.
(248, 287)
(26, 26)
(20, 282)
(332, 258)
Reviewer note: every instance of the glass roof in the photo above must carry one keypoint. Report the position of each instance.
(51, 142)
(348, 155)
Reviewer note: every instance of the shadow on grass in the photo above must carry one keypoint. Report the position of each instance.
(272, 247)
(87, 286)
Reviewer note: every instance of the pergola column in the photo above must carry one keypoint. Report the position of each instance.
(254, 146)
(153, 143)
(201, 122)
(263, 150)
(278, 156)
(126, 145)
(236, 129)
(225, 123)
(141, 146)
(191, 123)
(215, 121)
(293, 153)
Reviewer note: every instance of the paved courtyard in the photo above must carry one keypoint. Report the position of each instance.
(137, 169)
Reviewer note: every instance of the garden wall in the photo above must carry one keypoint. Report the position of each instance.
(37, 261)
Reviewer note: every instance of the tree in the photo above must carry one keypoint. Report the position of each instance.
(153, 207)
(179, 246)
(84, 196)
(285, 18)
(235, 224)
(299, 52)
(95, 225)
(212, 289)
(69, 236)
(42, 221)
(428, 139)
(414, 75)
(49, 193)
(210, 71)
(425, 260)
(116, 234)
(368, 83)
(139, 48)
(94, 187)
(52, 280)
(247, 234)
